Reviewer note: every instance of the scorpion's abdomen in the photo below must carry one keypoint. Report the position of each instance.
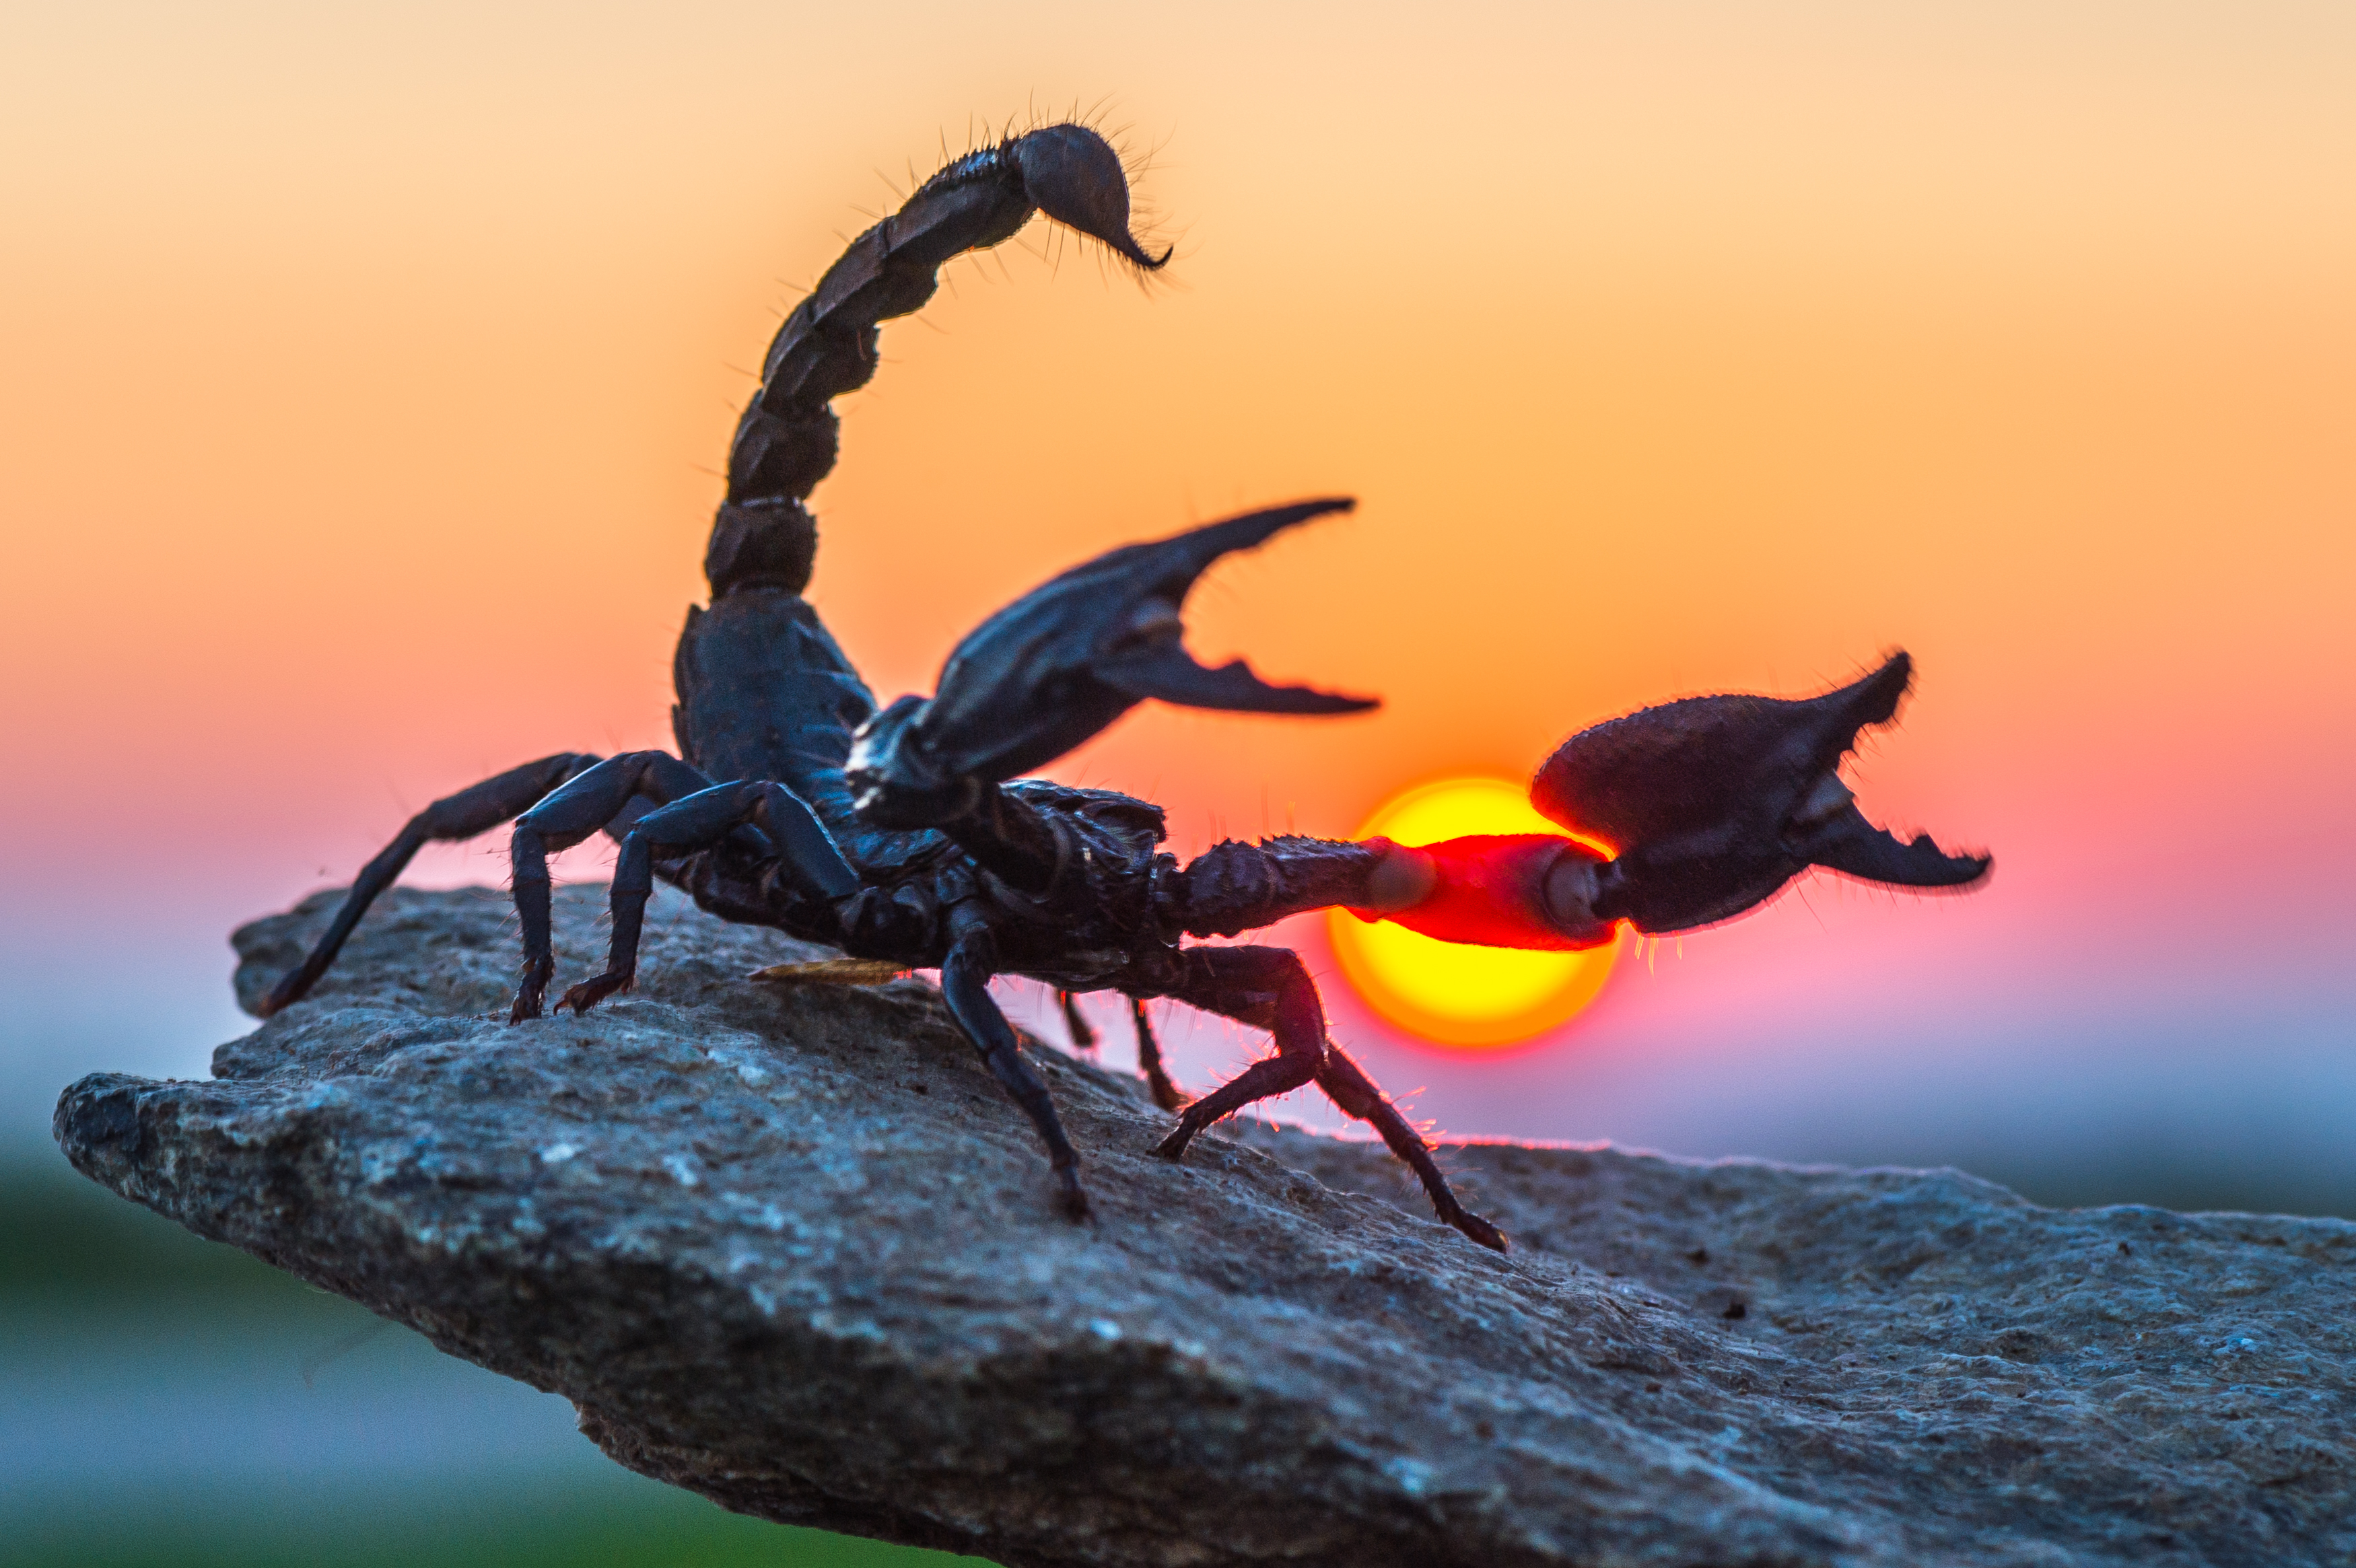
(764, 693)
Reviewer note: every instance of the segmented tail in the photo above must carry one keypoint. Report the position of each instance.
(788, 438)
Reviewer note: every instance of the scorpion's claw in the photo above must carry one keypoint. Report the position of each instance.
(592, 991)
(531, 989)
(1716, 801)
(1475, 1228)
(1059, 665)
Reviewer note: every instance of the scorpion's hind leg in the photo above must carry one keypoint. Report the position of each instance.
(965, 986)
(446, 821)
(768, 820)
(588, 801)
(1271, 988)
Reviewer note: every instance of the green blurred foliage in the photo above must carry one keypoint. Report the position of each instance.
(640, 1524)
(62, 1235)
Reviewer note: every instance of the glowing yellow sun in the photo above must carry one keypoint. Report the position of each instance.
(1449, 991)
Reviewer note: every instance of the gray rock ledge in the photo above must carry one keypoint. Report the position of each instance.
(790, 1248)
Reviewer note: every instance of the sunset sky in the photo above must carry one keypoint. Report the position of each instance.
(367, 371)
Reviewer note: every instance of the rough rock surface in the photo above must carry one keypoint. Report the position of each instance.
(791, 1248)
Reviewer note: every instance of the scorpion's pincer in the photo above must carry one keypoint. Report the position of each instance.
(1715, 803)
(1059, 665)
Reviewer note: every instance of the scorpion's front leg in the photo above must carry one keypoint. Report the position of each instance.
(774, 825)
(1158, 1081)
(965, 986)
(1271, 988)
(1267, 987)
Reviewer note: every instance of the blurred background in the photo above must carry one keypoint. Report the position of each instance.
(369, 370)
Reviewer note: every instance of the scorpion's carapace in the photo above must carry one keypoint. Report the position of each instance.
(906, 838)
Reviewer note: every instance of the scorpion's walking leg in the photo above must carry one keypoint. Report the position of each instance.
(586, 803)
(1075, 1024)
(446, 821)
(1347, 1085)
(965, 985)
(1267, 987)
(1270, 987)
(1165, 1090)
(773, 824)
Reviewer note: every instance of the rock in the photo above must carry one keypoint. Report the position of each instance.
(789, 1247)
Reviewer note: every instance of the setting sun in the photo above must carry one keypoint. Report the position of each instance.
(1453, 992)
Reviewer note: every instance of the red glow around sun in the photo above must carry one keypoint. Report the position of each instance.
(1450, 992)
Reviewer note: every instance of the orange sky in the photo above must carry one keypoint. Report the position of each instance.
(367, 371)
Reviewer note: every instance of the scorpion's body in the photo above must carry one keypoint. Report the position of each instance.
(765, 692)
(907, 834)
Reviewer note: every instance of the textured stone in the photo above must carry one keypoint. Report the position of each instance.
(791, 1248)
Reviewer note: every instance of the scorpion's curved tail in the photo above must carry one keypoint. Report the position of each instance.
(786, 442)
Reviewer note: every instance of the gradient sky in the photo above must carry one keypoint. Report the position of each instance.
(367, 370)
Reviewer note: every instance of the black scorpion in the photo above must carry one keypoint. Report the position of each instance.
(907, 834)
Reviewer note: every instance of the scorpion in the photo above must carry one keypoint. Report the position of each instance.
(909, 835)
